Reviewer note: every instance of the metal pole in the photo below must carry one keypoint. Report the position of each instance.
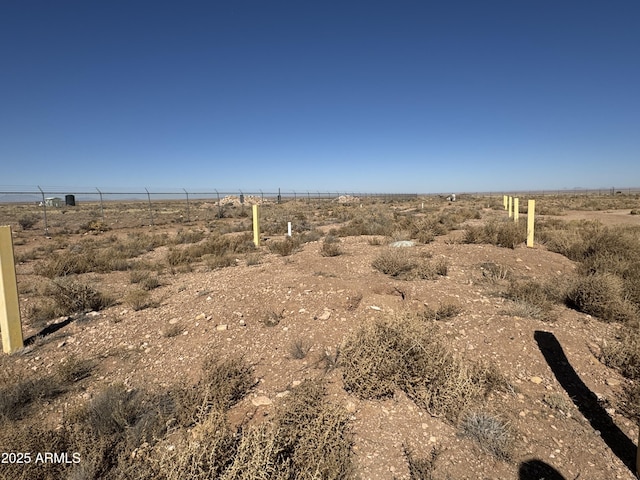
(150, 210)
(44, 211)
(219, 207)
(187, 194)
(101, 206)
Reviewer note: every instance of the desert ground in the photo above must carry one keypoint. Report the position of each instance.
(181, 350)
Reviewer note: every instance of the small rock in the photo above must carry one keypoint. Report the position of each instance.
(261, 400)
(432, 439)
(242, 323)
(173, 321)
(325, 315)
(295, 383)
(536, 380)
(221, 327)
(62, 344)
(350, 407)
(209, 299)
(201, 316)
(373, 307)
(612, 382)
(282, 394)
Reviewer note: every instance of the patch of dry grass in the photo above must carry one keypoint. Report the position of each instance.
(411, 355)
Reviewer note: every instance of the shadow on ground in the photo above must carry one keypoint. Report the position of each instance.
(585, 400)
(535, 469)
(50, 329)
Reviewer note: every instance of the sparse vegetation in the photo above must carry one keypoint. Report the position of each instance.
(411, 355)
(331, 247)
(489, 432)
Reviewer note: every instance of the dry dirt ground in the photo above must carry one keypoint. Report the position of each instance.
(320, 301)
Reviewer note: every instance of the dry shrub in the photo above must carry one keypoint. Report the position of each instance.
(502, 234)
(534, 299)
(188, 236)
(140, 299)
(27, 221)
(18, 397)
(489, 432)
(601, 295)
(331, 247)
(215, 262)
(444, 311)
(284, 247)
(410, 354)
(493, 273)
(72, 297)
(32, 437)
(394, 262)
(203, 454)
(421, 468)
(372, 224)
(623, 353)
(224, 382)
(307, 438)
(112, 428)
(299, 349)
(73, 369)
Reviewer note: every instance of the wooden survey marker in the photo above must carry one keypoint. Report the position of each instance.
(10, 324)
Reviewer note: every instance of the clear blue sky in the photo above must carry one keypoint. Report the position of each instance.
(397, 96)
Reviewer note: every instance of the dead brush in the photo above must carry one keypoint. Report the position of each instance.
(73, 369)
(601, 295)
(223, 382)
(299, 349)
(140, 299)
(623, 353)
(409, 354)
(331, 247)
(442, 312)
(532, 299)
(421, 468)
(489, 432)
(285, 247)
(71, 296)
(494, 273)
(394, 262)
(328, 359)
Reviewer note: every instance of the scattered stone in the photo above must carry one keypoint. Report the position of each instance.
(432, 439)
(282, 394)
(373, 307)
(261, 400)
(62, 344)
(325, 315)
(242, 323)
(295, 383)
(536, 380)
(612, 382)
(201, 316)
(350, 407)
(173, 321)
(221, 327)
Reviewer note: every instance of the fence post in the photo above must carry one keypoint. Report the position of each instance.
(44, 211)
(531, 213)
(187, 194)
(516, 209)
(150, 210)
(10, 323)
(101, 206)
(510, 209)
(256, 225)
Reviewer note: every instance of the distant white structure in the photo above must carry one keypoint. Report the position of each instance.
(53, 202)
(452, 197)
